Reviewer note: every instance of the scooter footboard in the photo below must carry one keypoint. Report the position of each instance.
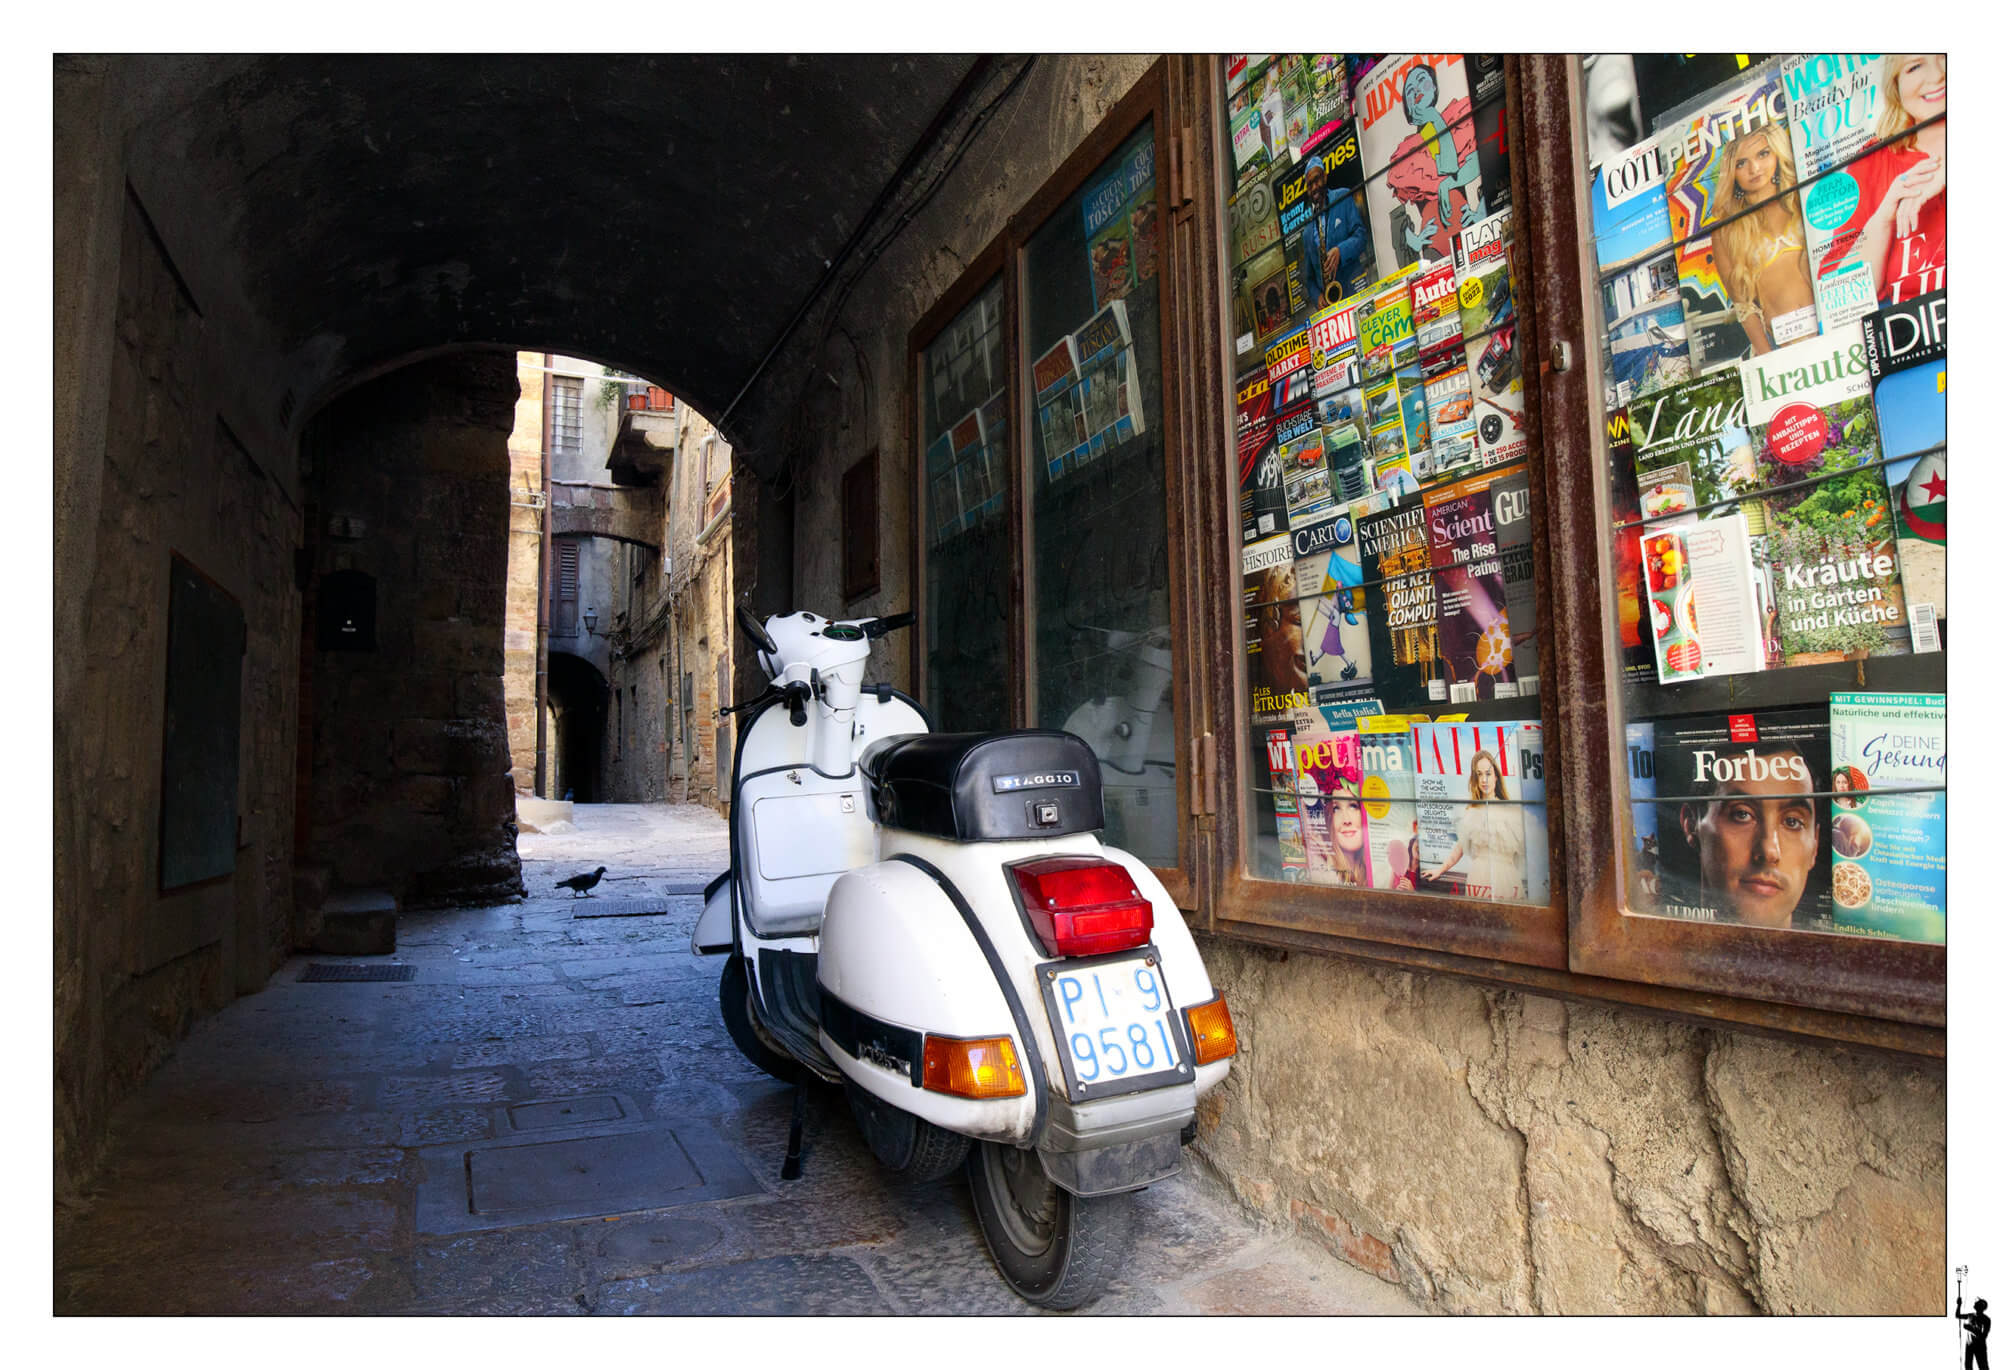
(898, 962)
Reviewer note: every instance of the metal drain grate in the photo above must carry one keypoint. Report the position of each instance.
(328, 972)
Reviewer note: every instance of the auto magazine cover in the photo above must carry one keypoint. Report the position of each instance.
(1888, 820)
(1488, 318)
(1419, 144)
(1743, 837)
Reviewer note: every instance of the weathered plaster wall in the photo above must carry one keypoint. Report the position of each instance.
(1492, 1151)
(180, 470)
(410, 761)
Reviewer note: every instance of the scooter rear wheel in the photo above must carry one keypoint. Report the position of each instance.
(1054, 1249)
(739, 1019)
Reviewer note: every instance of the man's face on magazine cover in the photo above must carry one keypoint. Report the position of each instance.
(1758, 838)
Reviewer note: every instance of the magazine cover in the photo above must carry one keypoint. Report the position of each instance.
(1833, 102)
(1487, 72)
(1534, 813)
(1107, 375)
(1239, 69)
(1701, 598)
(1326, 96)
(1743, 839)
(1809, 409)
(1470, 840)
(1419, 143)
(1634, 639)
(1271, 103)
(1273, 631)
(1295, 91)
(1906, 346)
(1642, 883)
(1487, 315)
(1302, 457)
(1249, 140)
(1628, 206)
(1388, 797)
(1326, 566)
(1888, 848)
(1281, 853)
(1260, 480)
(1255, 252)
(1403, 644)
(941, 475)
(1323, 215)
(1331, 819)
(1473, 640)
(1513, 538)
(1646, 331)
(1832, 549)
(979, 489)
(1733, 210)
(1691, 446)
(1881, 220)
(1058, 405)
(1434, 319)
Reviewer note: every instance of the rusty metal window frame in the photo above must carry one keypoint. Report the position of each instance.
(1582, 945)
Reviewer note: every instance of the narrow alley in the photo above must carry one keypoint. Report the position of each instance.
(547, 1117)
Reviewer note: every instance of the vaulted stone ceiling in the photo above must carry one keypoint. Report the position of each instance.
(667, 215)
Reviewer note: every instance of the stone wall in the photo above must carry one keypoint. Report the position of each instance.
(410, 788)
(1500, 1152)
(524, 569)
(179, 471)
(1488, 1151)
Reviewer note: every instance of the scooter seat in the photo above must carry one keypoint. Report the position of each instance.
(982, 787)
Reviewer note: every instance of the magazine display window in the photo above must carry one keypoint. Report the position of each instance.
(1057, 585)
(1766, 234)
(1388, 496)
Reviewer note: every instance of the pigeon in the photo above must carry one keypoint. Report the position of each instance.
(581, 884)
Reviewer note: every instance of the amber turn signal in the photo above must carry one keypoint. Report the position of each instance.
(1209, 1028)
(977, 1068)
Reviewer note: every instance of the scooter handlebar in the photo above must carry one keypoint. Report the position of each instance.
(881, 627)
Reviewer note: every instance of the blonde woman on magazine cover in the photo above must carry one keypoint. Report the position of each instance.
(1901, 211)
(1761, 254)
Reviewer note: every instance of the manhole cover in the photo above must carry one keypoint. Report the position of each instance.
(596, 1108)
(328, 972)
(619, 908)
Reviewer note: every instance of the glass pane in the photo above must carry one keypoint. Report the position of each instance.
(1386, 477)
(1101, 660)
(964, 519)
(1770, 243)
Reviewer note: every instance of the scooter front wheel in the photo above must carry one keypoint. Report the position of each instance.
(1054, 1249)
(740, 1020)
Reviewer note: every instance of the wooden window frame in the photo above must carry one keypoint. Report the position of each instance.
(1582, 946)
(1149, 98)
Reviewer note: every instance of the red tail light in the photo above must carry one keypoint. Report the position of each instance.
(1082, 906)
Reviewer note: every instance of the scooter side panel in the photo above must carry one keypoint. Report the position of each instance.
(893, 947)
(712, 929)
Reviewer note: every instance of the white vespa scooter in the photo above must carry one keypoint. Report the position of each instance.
(930, 921)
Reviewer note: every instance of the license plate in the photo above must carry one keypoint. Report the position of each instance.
(1115, 1025)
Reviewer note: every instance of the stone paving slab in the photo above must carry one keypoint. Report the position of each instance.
(290, 1157)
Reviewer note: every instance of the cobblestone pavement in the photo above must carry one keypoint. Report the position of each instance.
(548, 1117)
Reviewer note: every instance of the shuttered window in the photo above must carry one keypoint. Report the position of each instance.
(564, 617)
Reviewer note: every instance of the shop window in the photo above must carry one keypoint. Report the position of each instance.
(1388, 502)
(1046, 484)
(1100, 660)
(1767, 235)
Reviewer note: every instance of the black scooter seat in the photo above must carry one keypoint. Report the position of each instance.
(983, 787)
